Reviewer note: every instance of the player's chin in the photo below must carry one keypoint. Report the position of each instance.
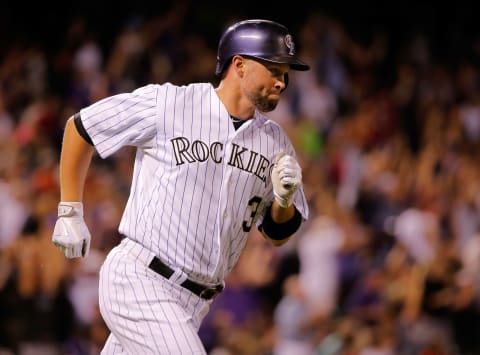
(267, 105)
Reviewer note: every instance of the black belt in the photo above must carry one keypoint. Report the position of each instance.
(202, 291)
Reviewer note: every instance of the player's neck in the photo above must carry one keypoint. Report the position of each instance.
(236, 105)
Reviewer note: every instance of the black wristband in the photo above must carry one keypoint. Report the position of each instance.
(81, 129)
(279, 231)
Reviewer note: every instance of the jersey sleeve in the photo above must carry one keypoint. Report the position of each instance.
(127, 119)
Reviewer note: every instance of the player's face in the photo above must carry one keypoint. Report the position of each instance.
(264, 81)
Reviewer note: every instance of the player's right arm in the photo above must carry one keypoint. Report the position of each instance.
(71, 234)
(75, 160)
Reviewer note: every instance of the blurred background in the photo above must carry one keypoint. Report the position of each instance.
(387, 129)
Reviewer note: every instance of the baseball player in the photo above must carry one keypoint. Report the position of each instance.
(209, 167)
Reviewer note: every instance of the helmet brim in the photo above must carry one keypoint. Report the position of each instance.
(294, 62)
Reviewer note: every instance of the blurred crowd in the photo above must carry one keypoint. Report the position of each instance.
(387, 134)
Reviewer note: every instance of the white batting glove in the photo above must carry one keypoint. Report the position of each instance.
(71, 234)
(286, 178)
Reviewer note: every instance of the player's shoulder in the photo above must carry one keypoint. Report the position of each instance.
(170, 85)
(145, 88)
(197, 87)
(155, 89)
(267, 122)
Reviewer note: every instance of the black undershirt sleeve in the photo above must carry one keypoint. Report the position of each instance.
(81, 129)
(279, 231)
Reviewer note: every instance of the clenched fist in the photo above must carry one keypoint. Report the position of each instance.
(286, 178)
(71, 234)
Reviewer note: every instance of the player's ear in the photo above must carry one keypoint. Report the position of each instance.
(238, 64)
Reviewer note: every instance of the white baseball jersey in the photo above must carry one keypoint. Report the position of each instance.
(198, 188)
(198, 185)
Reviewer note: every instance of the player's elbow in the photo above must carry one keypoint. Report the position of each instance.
(279, 243)
(276, 242)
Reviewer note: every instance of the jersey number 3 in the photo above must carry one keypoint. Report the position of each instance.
(254, 203)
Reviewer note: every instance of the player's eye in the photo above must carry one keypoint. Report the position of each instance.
(276, 72)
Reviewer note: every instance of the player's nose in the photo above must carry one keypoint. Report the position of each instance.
(280, 84)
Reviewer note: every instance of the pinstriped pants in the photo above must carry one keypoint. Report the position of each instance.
(146, 313)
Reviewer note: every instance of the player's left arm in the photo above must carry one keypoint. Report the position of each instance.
(282, 219)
